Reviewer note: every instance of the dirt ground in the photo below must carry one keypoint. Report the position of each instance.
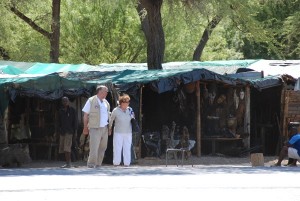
(196, 161)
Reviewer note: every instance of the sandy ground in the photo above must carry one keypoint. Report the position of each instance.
(193, 160)
(211, 177)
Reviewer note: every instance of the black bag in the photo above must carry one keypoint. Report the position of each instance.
(135, 126)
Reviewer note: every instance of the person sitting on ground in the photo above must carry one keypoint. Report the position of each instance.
(292, 162)
(291, 149)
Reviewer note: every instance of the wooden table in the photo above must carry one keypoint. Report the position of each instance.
(218, 139)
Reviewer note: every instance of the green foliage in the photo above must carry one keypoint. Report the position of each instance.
(291, 32)
(109, 31)
(180, 33)
(276, 18)
(18, 38)
(101, 33)
(223, 45)
(184, 27)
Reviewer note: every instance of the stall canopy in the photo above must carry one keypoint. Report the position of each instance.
(127, 75)
(51, 81)
(124, 75)
(11, 70)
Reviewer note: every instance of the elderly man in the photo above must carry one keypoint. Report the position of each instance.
(291, 149)
(95, 123)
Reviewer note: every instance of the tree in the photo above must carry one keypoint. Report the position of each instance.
(97, 31)
(239, 11)
(53, 35)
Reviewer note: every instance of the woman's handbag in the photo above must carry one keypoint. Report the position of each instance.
(135, 126)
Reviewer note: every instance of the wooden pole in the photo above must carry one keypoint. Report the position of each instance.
(198, 119)
(281, 122)
(285, 113)
(139, 154)
(27, 110)
(247, 117)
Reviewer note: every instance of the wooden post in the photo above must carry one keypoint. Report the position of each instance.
(285, 113)
(139, 154)
(27, 110)
(284, 100)
(198, 119)
(257, 159)
(247, 117)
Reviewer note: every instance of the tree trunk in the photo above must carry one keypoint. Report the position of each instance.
(55, 27)
(205, 36)
(153, 30)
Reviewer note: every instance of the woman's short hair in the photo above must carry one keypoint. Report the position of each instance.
(124, 99)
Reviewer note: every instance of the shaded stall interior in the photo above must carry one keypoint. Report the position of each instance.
(222, 115)
(266, 110)
(33, 121)
(161, 110)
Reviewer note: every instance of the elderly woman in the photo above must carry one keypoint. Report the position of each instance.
(122, 139)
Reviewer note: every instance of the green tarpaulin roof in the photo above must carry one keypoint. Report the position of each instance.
(11, 70)
(51, 81)
(36, 75)
(220, 67)
(125, 73)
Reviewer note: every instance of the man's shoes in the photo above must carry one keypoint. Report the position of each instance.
(66, 166)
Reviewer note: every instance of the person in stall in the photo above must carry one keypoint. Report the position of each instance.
(67, 129)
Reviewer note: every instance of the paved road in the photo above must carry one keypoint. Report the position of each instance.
(151, 183)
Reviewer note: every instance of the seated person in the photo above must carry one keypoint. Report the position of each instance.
(291, 149)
